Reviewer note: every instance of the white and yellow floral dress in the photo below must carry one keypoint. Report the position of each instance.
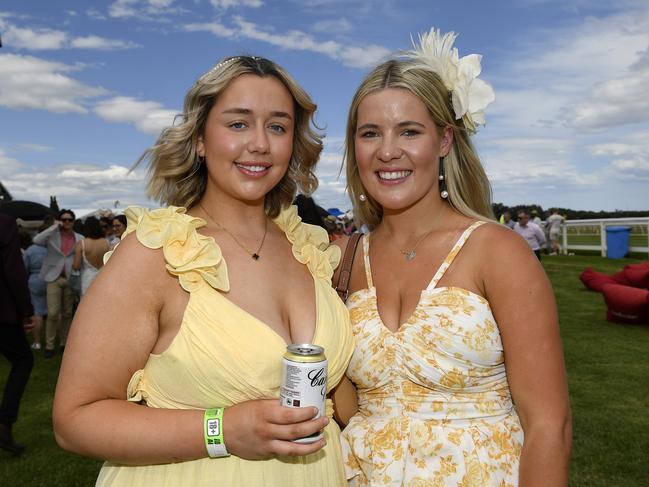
(434, 403)
(222, 355)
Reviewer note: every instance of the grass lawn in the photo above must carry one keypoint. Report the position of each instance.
(43, 463)
(608, 374)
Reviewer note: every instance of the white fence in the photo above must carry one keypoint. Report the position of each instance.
(640, 237)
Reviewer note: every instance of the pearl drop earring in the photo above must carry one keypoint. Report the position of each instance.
(442, 180)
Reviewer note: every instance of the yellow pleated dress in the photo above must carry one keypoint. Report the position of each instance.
(223, 355)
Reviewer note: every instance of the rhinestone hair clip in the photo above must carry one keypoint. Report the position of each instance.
(228, 61)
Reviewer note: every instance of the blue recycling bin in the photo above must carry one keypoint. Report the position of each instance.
(617, 242)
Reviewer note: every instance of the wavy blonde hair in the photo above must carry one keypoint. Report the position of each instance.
(466, 181)
(177, 177)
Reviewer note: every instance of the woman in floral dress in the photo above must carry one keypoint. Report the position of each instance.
(458, 363)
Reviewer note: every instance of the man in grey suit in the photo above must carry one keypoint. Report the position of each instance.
(60, 240)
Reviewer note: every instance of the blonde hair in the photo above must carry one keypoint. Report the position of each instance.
(177, 177)
(469, 191)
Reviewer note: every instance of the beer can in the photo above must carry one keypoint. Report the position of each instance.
(304, 381)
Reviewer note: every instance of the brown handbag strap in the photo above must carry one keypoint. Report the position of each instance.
(346, 266)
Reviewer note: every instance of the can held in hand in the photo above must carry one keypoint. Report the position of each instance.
(304, 381)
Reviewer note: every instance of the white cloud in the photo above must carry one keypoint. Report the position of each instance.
(50, 39)
(597, 70)
(363, 56)
(38, 39)
(618, 149)
(33, 147)
(590, 52)
(636, 166)
(122, 8)
(8, 165)
(331, 188)
(95, 14)
(96, 42)
(614, 102)
(335, 26)
(143, 9)
(113, 173)
(518, 162)
(329, 165)
(236, 3)
(553, 90)
(147, 116)
(28, 82)
(215, 28)
(353, 56)
(629, 158)
(79, 185)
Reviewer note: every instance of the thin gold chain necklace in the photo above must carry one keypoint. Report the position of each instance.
(410, 254)
(254, 255)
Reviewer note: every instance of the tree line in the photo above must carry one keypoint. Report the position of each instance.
(570, 214)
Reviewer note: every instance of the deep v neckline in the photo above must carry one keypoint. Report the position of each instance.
(258, 320)
(432, 284)
(272, 331)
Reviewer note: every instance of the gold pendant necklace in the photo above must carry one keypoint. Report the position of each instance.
(254, 255)
(412, 253)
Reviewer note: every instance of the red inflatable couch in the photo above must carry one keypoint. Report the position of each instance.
(626, 293)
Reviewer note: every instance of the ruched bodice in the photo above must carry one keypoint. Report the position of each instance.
(434, 402)
(222, 355)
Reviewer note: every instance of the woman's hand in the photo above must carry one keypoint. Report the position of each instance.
(264, 428)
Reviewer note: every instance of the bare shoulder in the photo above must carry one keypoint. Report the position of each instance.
(498, 240)
(130, 251)
(506, 265)
(499, 255)
(133, 266)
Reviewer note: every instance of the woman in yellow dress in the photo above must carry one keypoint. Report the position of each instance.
(458, 363)
(173, 367)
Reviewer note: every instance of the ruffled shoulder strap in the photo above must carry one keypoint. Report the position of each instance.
(194, 258)
(310, 244)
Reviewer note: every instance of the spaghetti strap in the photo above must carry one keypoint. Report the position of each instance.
(452, 254)
(366, 257)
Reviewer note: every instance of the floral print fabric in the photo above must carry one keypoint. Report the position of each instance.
(434, 403)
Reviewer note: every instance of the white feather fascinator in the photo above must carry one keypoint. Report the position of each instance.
(470, 95)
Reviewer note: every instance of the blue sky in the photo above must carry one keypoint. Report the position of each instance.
(86, 86)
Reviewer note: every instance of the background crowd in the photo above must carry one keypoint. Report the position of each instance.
(543, 236)
(62, 259)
